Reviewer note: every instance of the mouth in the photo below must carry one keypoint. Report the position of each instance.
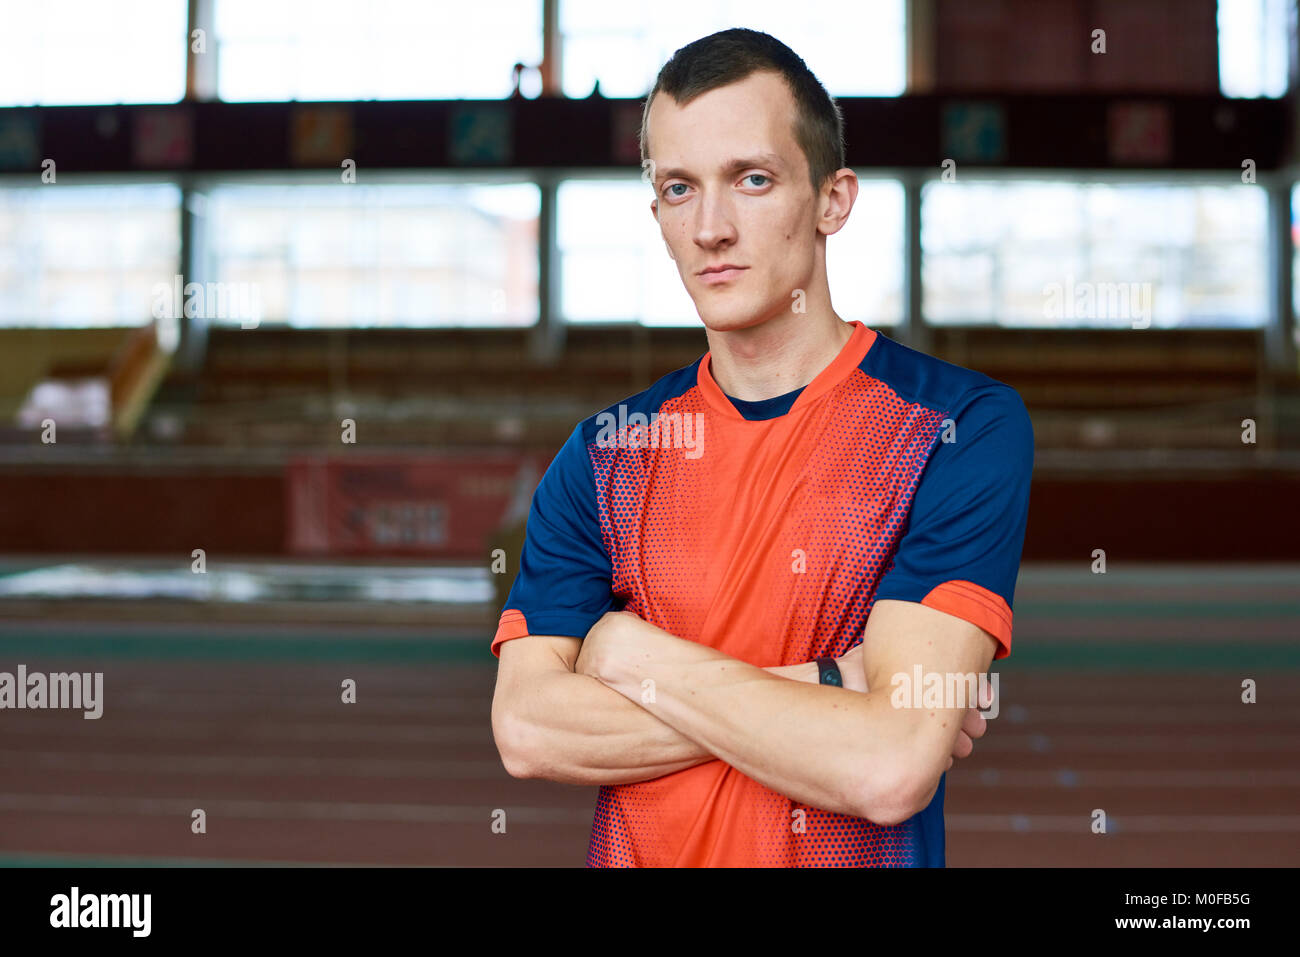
(715, 275)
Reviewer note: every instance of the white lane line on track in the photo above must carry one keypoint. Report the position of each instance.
(463, 814)
(1127, 743)
(286, 810)
(1134, 823)
(1073, 779)
(253, 727)
(240, 764)
(283, 764)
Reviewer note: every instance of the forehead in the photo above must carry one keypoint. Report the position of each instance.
(749, 117)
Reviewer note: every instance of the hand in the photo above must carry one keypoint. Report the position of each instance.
(973, 726)
(853, 671)
(600, 647)
(621, 646)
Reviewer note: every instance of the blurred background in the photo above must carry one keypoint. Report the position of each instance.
(298, 299)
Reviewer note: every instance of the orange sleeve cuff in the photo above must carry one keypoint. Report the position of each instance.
(512, 625)
(979, 606)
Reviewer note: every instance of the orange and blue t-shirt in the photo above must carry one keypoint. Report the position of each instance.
(767, 530)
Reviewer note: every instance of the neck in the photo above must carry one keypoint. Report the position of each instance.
(778, 356)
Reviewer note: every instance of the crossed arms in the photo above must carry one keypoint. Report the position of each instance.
(578, 712)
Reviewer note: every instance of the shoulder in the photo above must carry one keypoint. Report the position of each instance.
(927, 380)
(671, 386)
(956, 391)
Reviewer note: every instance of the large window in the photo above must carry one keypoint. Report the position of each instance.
(59, 52)
(614, 265)
(855, 49)
(76, 256)
(1295, 257)
(1255, 38)
(1058, 254)
(376, 49)
(389, 254)
(613, 262)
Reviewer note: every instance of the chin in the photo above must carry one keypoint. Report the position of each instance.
(727, 324)
(717, 319)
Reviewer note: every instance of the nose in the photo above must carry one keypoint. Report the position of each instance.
(715, 224)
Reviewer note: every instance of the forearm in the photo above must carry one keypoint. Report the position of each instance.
(818, 745)
(573, 729)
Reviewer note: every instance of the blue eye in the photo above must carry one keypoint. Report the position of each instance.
(674, 186)
(759, 175)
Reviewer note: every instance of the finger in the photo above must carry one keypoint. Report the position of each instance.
(963, 746)
(986, 695)
(975, 724)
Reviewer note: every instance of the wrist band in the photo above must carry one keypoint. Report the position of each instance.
(828, 672)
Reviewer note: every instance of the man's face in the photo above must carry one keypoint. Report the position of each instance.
(731, 187)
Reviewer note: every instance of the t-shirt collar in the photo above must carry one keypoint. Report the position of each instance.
(848, 359)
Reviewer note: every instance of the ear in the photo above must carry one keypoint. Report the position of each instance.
(838, 200)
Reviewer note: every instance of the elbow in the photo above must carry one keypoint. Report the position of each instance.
(511, 737)
(516, 764)
(888, 810)
(898, 795)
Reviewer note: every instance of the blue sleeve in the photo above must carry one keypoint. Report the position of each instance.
(564, 580)
(966, 524)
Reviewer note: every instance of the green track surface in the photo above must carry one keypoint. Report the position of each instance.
(1101, 607)
(72, 860)
(192, 646)
(1135, 654)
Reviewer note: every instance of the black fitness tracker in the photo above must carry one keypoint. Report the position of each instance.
(828, 672)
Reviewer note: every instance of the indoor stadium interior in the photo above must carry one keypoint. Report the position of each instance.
(298, 301)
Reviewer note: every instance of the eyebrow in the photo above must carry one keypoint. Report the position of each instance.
(768, 160)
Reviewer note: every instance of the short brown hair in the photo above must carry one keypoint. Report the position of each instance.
(730, 56)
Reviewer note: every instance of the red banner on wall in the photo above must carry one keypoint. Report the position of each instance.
(436, 506)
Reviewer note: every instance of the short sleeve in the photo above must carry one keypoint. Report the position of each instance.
(564, 581)
(961, 546)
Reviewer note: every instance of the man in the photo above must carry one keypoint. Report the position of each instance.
(808, 490)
